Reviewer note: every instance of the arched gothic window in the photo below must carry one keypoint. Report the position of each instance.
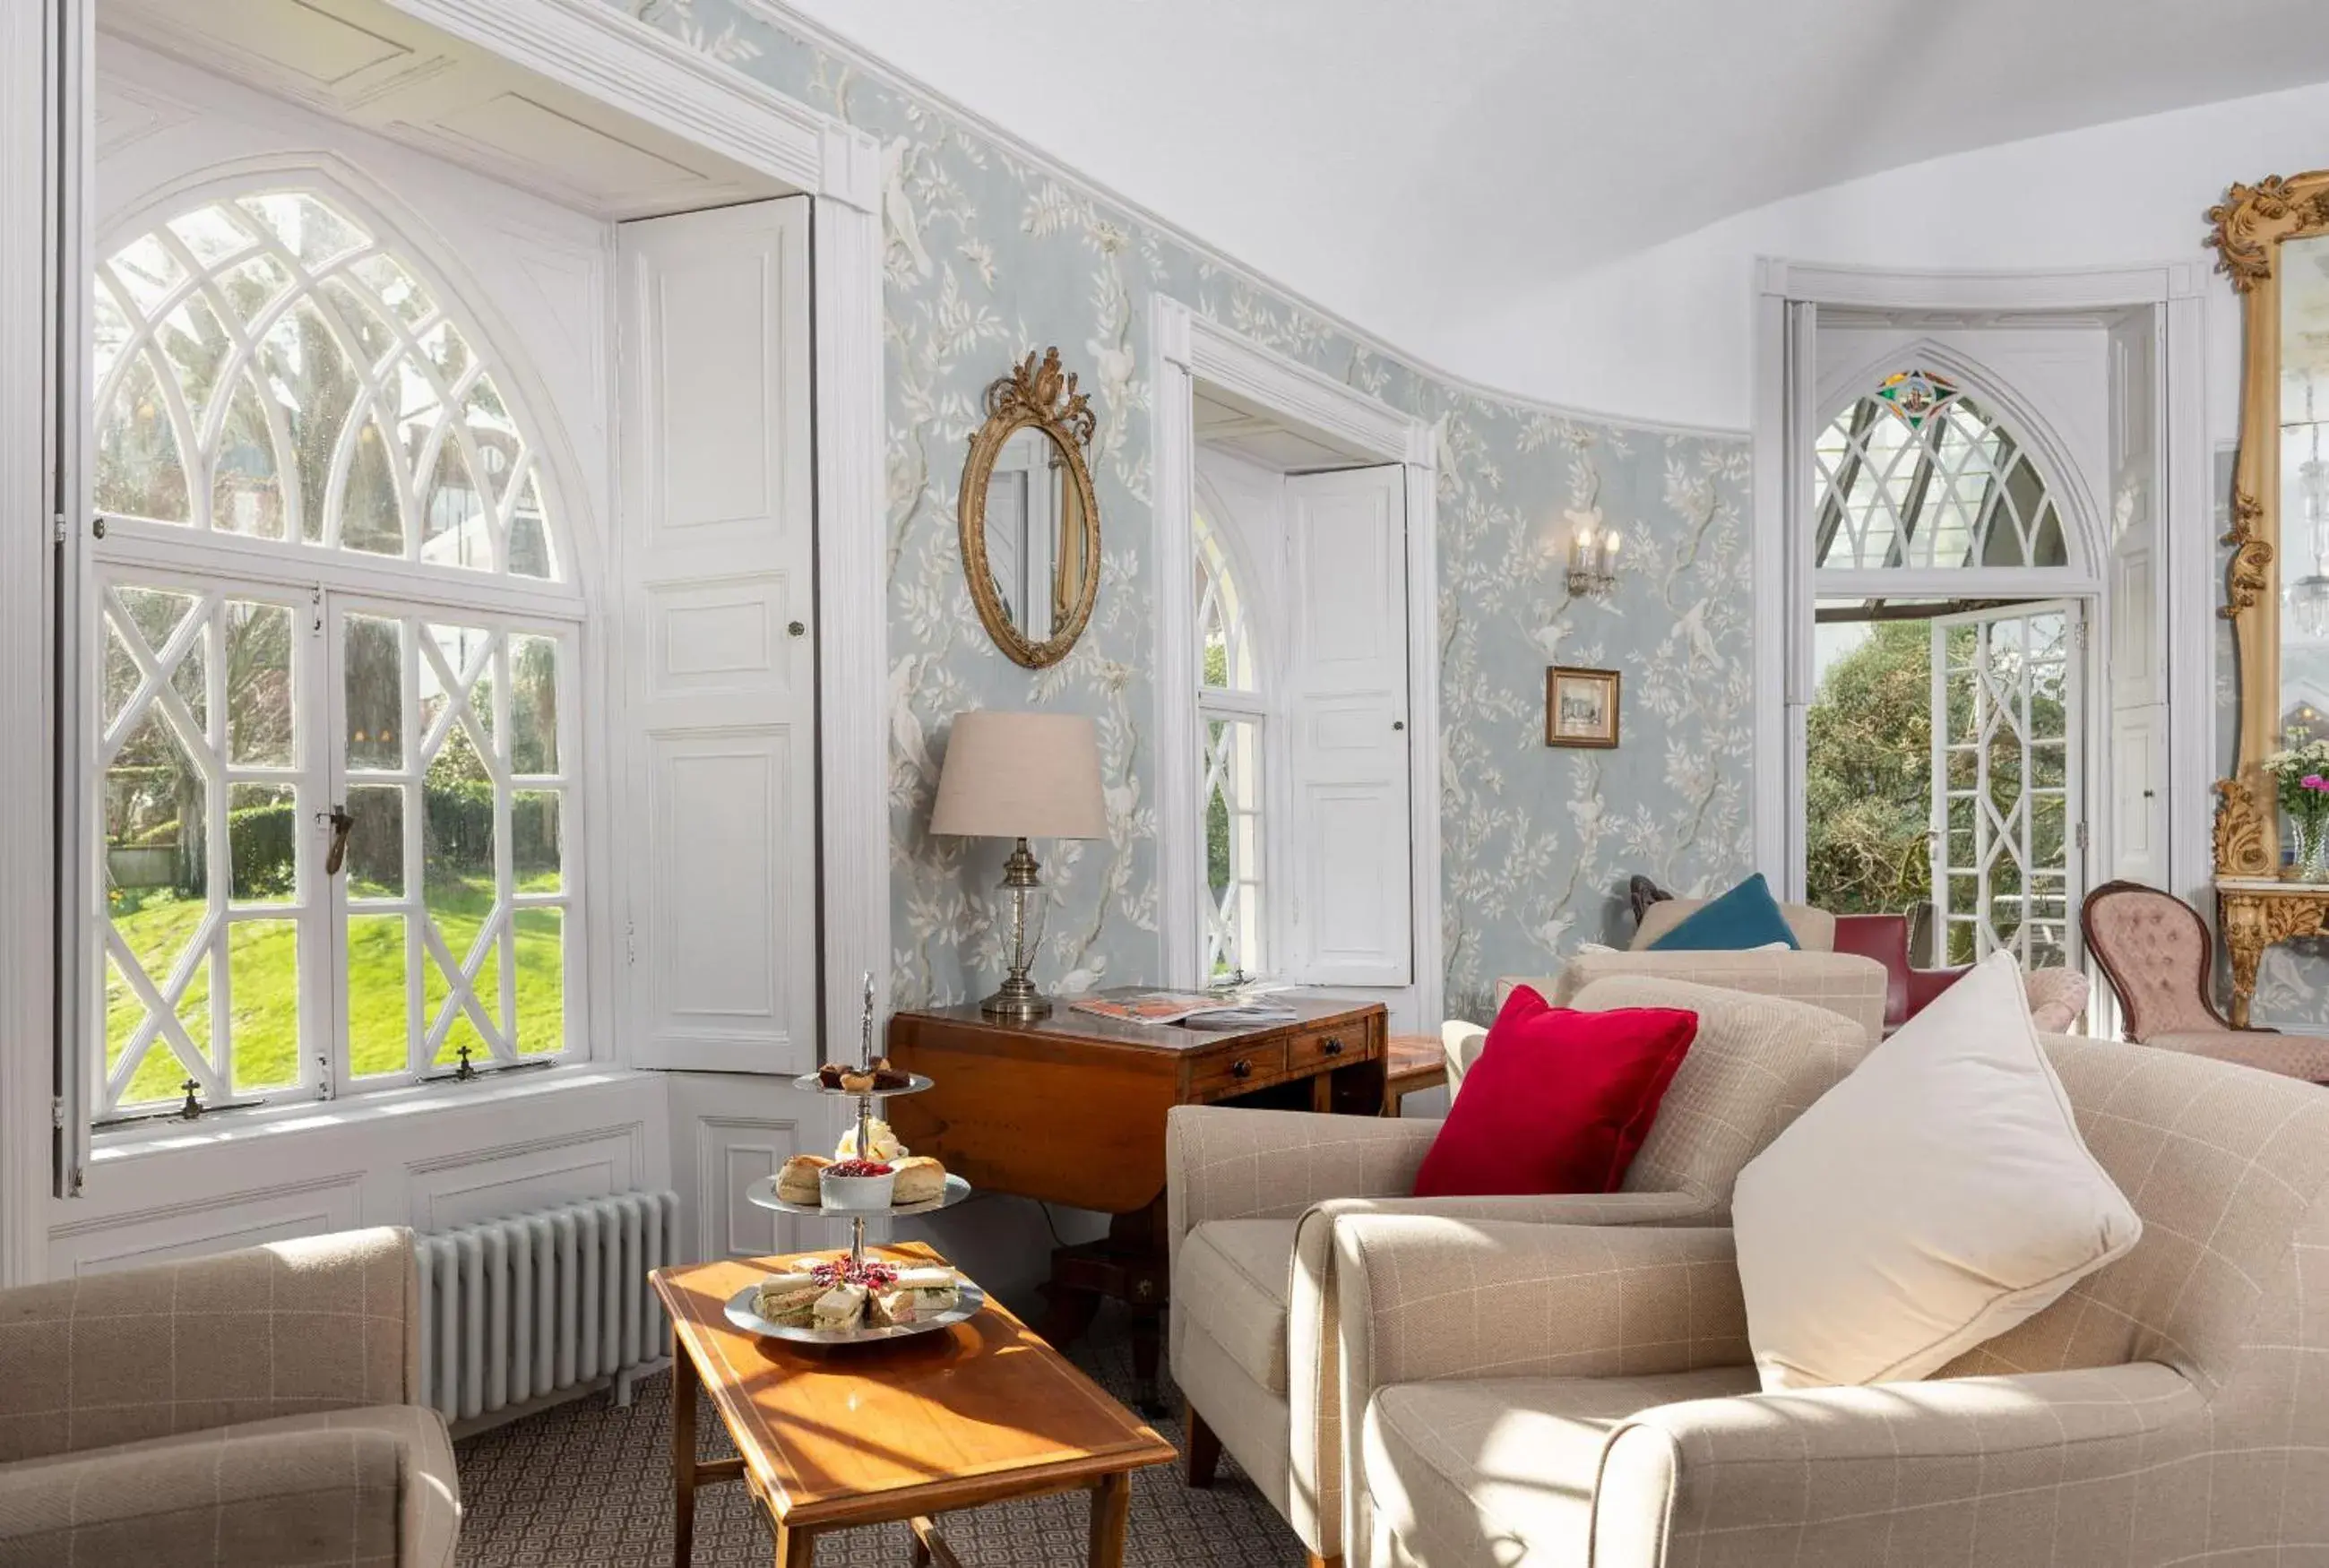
(1918, 473)
(332, 735)
(1231, 713)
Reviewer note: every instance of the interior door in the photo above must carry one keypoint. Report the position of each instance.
(2136, 848)
(2008, 830)
(718, 850)
(1352, 918)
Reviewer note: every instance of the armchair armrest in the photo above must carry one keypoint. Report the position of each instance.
(318, 1323)
(1226, 1163)
(2071, 1447)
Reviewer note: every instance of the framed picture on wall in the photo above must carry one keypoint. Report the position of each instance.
(1581, 707)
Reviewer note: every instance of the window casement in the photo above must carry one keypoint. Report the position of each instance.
(1919, 475)
(1231, 714)
(330, 656)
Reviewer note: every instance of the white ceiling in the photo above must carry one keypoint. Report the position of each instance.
(366, 62)
(1407, 162)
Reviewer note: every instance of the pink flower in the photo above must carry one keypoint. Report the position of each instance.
(2313, 781)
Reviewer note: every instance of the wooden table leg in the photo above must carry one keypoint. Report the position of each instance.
(2245, 940)
(795, 1548)
(1111, 1517)
(683, 1383)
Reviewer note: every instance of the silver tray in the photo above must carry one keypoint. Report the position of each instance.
(741, 1313)
(763, 1193)
(810, 1084)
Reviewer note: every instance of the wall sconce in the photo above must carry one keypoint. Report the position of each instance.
(1592, 559)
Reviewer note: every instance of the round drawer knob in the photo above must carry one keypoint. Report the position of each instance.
(1331, 1048)
(1240, 1069)
(797, 628)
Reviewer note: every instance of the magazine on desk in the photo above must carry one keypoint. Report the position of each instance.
(1196, 1010)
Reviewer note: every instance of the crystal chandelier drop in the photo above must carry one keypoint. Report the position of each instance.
(2305, 602)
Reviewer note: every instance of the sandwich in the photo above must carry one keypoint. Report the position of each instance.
(927, 1292)
(920, 1180)
(789, 1299)
(840, 1308)
(797, 1181)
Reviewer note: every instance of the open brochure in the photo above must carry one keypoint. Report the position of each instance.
(1196, 1008)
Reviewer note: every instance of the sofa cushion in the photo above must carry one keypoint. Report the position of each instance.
(2305, 1056)
(1231, 1278)
(1503, 1470)
(1745, 916)
(1813, 930)
(1935, 1198)
(1561, 1100)
(364, 1487)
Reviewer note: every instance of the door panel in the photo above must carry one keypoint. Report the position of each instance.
(1346, 709)
(2137, 848)
(718, 637)
(2008, 823)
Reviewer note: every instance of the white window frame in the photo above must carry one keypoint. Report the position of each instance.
(1248, 706)
(331, 579)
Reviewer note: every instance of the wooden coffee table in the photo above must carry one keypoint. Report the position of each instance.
(833, 1439)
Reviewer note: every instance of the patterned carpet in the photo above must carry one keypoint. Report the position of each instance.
(588, 1483)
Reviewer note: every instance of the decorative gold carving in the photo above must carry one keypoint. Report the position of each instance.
(2247, 227)
(2255, 918)
(1041, 394)
(2247, 576)
(2243, 837)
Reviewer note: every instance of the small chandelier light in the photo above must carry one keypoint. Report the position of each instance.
(1592, 557)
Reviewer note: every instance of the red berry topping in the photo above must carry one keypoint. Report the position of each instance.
(858, 1168)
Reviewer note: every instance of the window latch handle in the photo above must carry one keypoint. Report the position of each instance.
(341, 823)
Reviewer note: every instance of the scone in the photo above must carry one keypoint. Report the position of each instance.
(920, 1180)
(797, 1181)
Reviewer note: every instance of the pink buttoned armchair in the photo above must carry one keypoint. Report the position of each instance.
(2158, 956)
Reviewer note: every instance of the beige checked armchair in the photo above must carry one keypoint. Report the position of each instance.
(256, 1408)
(1536, 1395)
(1253, 1198)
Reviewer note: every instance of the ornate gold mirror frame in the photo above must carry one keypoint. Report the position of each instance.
(2250, 226)
(1043, 396)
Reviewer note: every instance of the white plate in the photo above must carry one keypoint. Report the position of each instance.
(741, 1313)
(810, 1084)
(763, 1193)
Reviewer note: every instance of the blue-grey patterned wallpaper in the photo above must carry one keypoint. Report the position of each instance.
(990, 257)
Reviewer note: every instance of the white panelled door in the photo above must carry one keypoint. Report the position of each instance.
(2008, 831)
(2137, 848)
(1350, 919)
(716, 554)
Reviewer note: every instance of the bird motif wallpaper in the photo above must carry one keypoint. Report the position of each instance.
(993, 253)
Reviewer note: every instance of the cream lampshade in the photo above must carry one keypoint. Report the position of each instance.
(1021, 775)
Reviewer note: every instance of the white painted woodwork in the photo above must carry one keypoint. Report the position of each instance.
(2136, 815)
(1347, 707)
(372, 64)
(714, 541)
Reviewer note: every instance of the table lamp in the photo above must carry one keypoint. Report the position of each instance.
(1021, 775)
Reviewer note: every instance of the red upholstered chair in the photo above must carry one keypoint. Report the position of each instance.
(1885, 939)
(2158, 954)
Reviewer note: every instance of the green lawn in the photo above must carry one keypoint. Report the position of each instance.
(261, 963)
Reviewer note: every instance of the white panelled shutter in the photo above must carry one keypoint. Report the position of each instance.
(2138, 850)
(1351, 918)
(718, 743)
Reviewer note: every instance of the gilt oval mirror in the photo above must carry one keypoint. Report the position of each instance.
(1029, 520)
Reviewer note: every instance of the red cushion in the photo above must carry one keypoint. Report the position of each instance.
(1558, 1101)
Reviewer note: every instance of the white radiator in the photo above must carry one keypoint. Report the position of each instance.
(515, 1309)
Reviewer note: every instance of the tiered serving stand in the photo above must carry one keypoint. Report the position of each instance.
(763, 1194)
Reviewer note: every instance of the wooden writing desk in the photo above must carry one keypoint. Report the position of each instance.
(1070, 1109)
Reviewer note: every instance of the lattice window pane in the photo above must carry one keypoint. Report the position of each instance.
(267, 369)
(1225, 650)
(1919, 475)
(1233, 800)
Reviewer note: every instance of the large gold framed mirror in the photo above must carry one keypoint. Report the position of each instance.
(1029, 520)
(2272, 239)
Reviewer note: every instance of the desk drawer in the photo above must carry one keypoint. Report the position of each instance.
(1233, 1071)
(1335, 1047)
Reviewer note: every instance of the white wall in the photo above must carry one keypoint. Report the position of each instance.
(1665, 334)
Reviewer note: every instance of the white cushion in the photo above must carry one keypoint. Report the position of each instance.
(1936, 1198)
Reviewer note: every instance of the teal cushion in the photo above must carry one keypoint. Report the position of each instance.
(1746, 917)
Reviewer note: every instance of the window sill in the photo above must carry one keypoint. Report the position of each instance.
(389, 1105)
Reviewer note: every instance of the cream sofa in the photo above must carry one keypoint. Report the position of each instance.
(1537, 1396)
(1843, 982)
(257, 1408)
(1253, 1198)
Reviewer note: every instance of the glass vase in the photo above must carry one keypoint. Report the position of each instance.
(2309, 849)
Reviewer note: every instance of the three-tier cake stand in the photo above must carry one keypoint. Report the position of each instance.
(763, 1194)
